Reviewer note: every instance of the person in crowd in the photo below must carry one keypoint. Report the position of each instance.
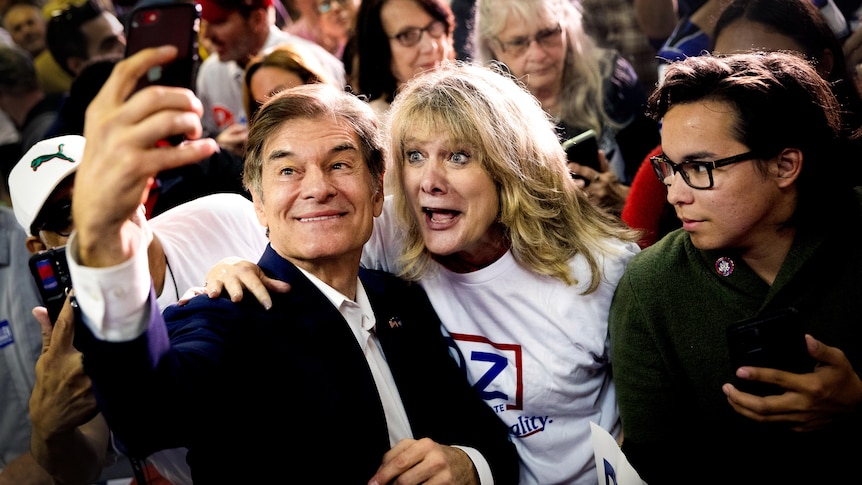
(25, 24)
(187, 241)
(372, 370)
(22, 98)
(302, 19)
(694, 34)
(791, 25)
(613, 25)
(755, 165)
(518, 263)
(279, 68)
(658, 18)
(237, 31)
(582, 86)
(337, 19)
(28, 27)
(19, 349)
(78, 34)
(744, 25)
(396, 40)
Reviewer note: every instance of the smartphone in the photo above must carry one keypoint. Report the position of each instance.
(775, 340)
(158, 24)
(51, 272)
(583, 149)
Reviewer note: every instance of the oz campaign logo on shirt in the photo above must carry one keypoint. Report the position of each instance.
(495, 370)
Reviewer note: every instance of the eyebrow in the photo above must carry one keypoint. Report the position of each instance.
(694, 157)
(278, 153)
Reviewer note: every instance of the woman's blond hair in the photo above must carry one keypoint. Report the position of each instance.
(547, 218)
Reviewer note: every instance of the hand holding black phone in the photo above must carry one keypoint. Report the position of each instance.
(583, 149)
(774, 340)
(158, 24)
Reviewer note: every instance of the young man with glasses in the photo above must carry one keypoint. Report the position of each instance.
(753, 158)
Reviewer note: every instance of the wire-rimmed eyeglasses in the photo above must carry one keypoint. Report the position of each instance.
(412, 35)
(697, 174)
(546, 38)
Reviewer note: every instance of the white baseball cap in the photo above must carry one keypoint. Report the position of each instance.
(35, 177)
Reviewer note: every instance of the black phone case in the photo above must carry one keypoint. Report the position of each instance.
(159, 24)
(51, 272)
(775, 340)
(583, 149)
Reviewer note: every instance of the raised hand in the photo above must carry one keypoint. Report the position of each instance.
(63, 396)
(63, 407)
(123, 153)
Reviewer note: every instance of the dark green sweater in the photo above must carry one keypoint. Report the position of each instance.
(668, 325)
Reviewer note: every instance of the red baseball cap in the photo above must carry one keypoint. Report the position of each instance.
(216, 11)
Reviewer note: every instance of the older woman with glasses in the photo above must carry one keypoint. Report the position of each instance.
(396, 40)
(582, 86)
(756, 166)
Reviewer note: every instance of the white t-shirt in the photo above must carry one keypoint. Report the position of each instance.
(536, 349)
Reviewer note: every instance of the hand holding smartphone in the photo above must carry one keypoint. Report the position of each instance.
(159, 24)
(583, 149)
(774, 340)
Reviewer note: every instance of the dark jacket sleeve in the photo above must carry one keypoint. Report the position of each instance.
(142, 385)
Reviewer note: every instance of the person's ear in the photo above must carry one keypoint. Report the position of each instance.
(378, 197)
(259, 209)
(35, 244)
(259, 18)
(788, 165)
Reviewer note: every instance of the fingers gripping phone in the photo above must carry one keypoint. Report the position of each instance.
(775, 340)
(51, 272)
(158, 24)
(583, 149)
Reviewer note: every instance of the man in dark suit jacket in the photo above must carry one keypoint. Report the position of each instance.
(299, 392)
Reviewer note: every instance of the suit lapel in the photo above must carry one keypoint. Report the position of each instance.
(322, 333)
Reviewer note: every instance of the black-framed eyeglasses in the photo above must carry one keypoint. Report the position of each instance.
(325, 6)
(412, 35)
(546, 38)
(697, 174)
(57, 219)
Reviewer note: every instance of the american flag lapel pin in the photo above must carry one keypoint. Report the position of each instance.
(394, 322)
